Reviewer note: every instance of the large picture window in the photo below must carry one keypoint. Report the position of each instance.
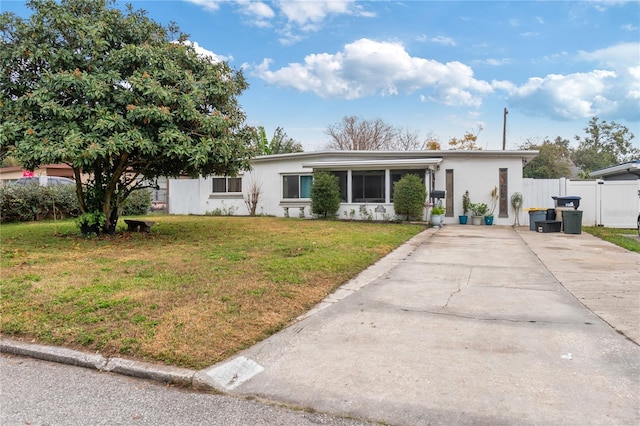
(296, 186)
(367, 186)
(226, 184)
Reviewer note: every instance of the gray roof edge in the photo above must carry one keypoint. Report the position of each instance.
(397, 154)
(622, 167)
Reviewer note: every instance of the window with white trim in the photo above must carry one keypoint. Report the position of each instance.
(296, 186)
(221, 185)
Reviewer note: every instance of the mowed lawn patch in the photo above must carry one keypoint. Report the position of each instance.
(625, 238)
(190, 293)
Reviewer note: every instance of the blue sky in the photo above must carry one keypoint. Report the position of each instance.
(438, 68)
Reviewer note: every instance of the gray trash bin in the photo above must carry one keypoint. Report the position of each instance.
(572, 221)
(536, 215)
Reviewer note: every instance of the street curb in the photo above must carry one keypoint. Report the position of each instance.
(143, 370)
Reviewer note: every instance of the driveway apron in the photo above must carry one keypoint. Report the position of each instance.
(467, 327)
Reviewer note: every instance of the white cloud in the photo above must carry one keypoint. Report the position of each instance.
(210, 5)
(291, 17)
(447, 41)
(368, 68)
(201, 51)
(620, 55)
(257, 8)
(611, 87)
(307, 13)
(494, 62)
(569, 97)
(259, 12)
(629, 27)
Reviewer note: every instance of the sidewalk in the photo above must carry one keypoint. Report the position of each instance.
(471, 327)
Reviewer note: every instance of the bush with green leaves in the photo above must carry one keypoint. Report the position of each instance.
(137, 203)
(325, 195)
(409, 195)
(20, 203)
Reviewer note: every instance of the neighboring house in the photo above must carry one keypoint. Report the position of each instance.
(624, 171)
(366, 183)
(12, 174)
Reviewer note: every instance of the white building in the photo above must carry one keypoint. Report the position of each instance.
(366, 183)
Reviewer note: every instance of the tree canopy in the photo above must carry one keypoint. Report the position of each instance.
(604, 144)
(116, 96)
(280, 143)
(553, 160)
(467, 142)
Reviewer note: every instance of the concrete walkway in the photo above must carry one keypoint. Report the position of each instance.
(466, 325)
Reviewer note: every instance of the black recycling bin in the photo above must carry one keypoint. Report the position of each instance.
(551, 214)
(568, 201)
(572, 221)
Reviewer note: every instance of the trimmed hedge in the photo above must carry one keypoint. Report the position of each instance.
(137, 203)
(22, 203)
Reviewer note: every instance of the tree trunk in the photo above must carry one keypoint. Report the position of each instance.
(112, 221)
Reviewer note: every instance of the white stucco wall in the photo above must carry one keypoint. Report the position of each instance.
(479, 176)
(478, 173)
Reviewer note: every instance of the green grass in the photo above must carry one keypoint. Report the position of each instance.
(620, 237)
(190, 293)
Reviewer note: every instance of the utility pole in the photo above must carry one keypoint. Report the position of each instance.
(504, 130)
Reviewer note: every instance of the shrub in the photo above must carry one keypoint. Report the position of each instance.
(325, 194)
(409, 195)
(137, 203)
(19, 203)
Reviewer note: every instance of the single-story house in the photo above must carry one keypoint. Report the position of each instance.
(366, 183)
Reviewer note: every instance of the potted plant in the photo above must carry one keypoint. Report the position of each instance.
(466, 203)
(516, 203)
(488, 219)
(91, 222)
(437, 215)
(478, 210)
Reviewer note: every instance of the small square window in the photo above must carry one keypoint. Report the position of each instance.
(226, 184)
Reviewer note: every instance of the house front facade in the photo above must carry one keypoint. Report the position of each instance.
(366, 178)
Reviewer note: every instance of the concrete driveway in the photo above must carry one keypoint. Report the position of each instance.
(465, 325)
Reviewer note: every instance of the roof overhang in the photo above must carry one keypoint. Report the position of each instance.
(407, 163)
(632, 167)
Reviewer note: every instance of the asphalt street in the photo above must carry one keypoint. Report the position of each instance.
(34, 392)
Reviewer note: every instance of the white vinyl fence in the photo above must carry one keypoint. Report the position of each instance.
(614, 204)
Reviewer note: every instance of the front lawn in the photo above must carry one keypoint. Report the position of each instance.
(191, 293)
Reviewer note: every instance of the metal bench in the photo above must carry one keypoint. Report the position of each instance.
(139, 225)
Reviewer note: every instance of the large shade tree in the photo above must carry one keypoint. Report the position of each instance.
(553, 160)
(117, 97)
(604, 144)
